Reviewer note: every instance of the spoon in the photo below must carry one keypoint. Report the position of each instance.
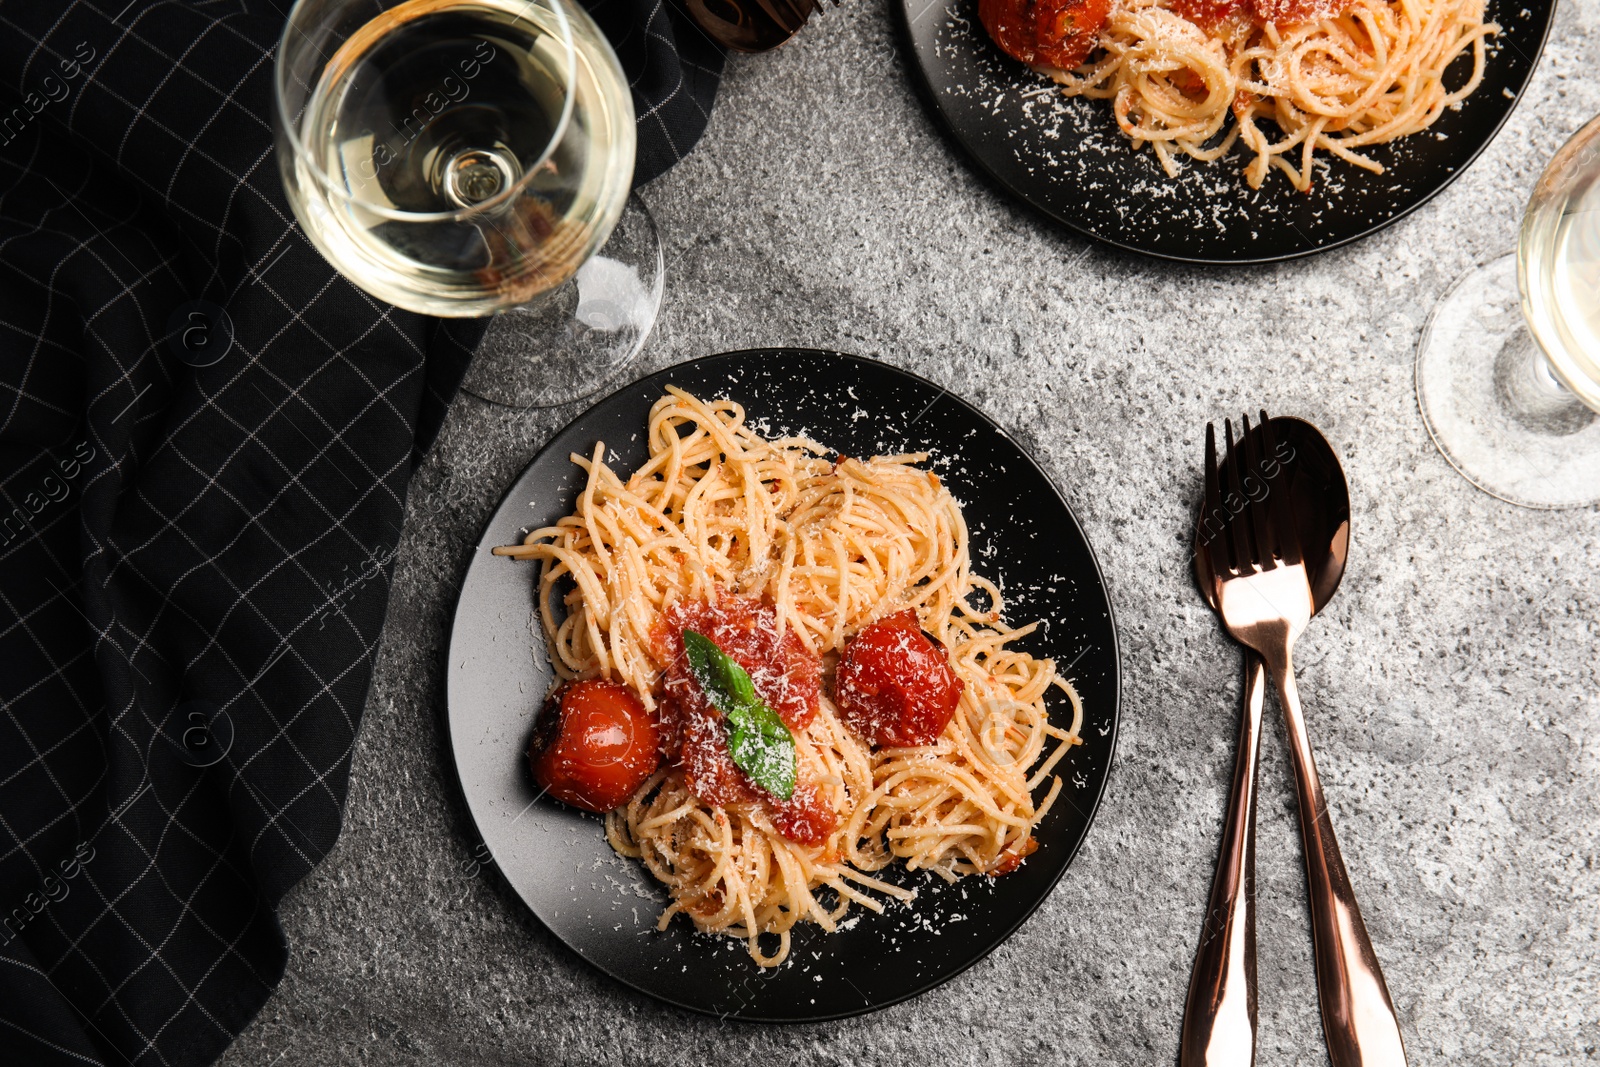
(1219, 1021)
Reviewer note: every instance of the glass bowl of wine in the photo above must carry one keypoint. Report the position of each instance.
(474, 158)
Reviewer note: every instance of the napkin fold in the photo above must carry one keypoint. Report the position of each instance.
(196, 539)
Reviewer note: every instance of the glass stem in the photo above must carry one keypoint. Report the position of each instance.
(1532, 392)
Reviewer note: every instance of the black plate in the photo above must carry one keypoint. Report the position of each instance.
(1067, 158)
(604, 906)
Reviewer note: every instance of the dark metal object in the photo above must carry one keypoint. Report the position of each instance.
(752, 25)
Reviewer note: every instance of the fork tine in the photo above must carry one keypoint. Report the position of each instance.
(1260, 524)
(1238, 532)
(1286, 544)
(1274, 511)
(1215, 545)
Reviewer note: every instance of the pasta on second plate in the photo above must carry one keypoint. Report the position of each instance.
(1284, 78)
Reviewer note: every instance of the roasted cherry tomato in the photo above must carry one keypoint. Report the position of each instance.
(1054, 33)
(594, 745)
(895, 685)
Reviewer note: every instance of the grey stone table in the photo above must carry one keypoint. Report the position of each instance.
(1452, 688)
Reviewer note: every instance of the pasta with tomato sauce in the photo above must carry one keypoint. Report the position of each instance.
(834, 621)
(1283, 78)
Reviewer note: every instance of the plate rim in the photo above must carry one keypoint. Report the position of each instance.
(1091, 809)
(930, 102)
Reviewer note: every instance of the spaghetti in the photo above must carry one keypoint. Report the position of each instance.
(1294, 76)
(828, 548)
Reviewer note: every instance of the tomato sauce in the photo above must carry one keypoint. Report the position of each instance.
(785, 675)
(1289, 12)
(1206, 12)
(1062, 33)
(1011, 859)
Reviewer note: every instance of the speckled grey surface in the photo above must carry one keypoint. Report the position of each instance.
(1452, 687)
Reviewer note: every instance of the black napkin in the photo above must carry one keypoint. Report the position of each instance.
(194, 560)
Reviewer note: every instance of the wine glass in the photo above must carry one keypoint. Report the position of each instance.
(1508, 369)
(471, 158)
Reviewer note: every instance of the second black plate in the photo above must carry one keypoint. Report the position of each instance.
(1067, 158)
(604, 906)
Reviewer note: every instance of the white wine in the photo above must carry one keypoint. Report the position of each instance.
(460, 158)
(1513, 400)
(1558, 265)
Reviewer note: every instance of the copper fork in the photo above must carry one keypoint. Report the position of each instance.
(1265, 599)
(1219, 1018)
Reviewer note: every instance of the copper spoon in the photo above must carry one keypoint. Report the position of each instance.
(1219, 1023)
(1267, 610)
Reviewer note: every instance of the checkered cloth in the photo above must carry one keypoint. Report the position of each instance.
(194, 560)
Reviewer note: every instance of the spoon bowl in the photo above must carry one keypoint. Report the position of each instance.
(1319, 500)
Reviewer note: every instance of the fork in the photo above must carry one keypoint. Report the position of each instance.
(1219, 1018)
(1264, 597)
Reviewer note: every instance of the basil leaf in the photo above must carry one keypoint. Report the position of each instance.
(724, 681)
(759, 743)
(762, 746)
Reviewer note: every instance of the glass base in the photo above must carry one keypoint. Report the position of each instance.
(1492, 403)
(574, 340)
